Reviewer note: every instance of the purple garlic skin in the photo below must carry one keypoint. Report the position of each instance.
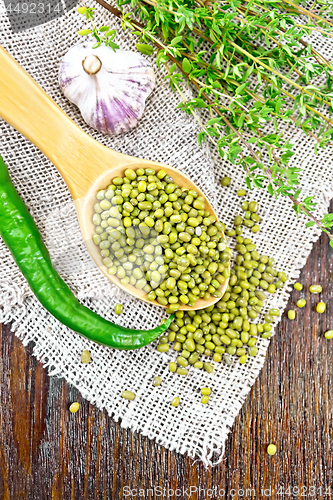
(110, 88)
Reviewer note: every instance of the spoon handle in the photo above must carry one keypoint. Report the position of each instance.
(27, 108)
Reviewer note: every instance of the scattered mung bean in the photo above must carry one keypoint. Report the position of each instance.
(271, 449)
(225, 181)
(74, 407)
(162, 347)
(208, 367)
(128, 395)
(321, 307)
(253, 206)
(172, 366)
(85, 357)
(118, 309)
(157, 381)
(315, 289)
(291, 314)
(266, 335)
(182, 371)
(228, 359)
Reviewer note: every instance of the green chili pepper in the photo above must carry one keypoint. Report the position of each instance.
(20, 234)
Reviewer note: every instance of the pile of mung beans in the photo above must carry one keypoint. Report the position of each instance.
(227, 330)
(158, 237)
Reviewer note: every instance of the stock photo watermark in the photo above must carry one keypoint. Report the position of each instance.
(25, 14)
(217, 493)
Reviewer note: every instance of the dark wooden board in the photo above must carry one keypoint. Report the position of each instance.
(48, 453)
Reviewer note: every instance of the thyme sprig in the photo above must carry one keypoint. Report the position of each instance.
(104, 34)
(217, 45)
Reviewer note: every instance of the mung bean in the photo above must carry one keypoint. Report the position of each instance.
(172, 366)
(85, 357)
(291, 314)
(157, 381)
(118, 309)
(225, 181)
(162, 347)
(128, 395)
(271, 449)
(315, 289)
(208, 367)
(321, 307)
(182, 371)
(74, 407)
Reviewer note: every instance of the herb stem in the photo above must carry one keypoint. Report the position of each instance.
(307, 12)
(91, 19)
(233, 32)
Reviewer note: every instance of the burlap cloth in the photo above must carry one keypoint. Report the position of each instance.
(167, 135)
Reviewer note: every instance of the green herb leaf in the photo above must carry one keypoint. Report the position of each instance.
(81, 10)
(110, 33)
(186, 65)
(145, 48)
(176, 40)
(84, 32)
(251, 69)
(248, 182)
(113, 45)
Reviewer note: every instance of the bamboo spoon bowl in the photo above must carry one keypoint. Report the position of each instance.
(85, 165)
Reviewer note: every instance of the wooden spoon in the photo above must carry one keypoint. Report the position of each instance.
(86, 165)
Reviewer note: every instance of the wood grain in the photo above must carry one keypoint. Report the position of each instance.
(48, 453)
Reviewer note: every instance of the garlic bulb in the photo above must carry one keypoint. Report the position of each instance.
(110, 88)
